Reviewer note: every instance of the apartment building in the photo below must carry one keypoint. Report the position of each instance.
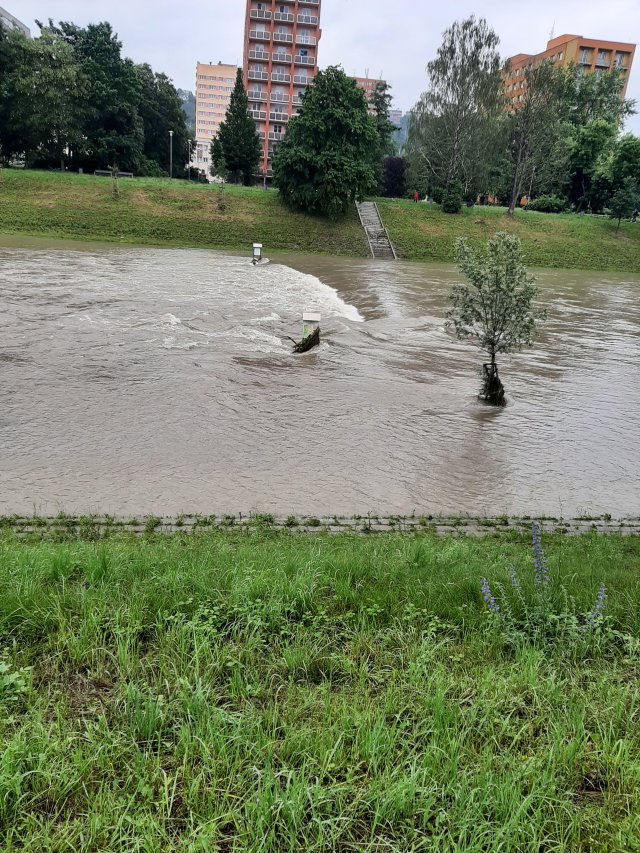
(368, 86)
(9, 22)
(280, 62)
(591, 56)
(214, 85)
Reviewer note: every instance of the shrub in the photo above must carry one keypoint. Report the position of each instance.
(452, 199)
(538, 609)
(548, 204)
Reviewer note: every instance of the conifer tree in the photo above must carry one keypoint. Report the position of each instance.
(238, 137)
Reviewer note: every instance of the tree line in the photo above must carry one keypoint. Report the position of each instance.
(70, 100)
(560, 145)
(331, 154)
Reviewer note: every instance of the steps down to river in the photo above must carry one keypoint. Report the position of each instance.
(379, 242)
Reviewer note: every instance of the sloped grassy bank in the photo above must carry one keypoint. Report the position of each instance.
(422, 232)
(164, 213)
(270, 691)
(160, 212)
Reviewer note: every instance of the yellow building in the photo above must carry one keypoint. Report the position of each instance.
(214, 85)
(593, 56)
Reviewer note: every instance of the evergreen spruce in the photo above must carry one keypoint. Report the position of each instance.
(238, 137)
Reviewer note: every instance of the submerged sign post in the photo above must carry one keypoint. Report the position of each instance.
(257, 253)
(310, 322)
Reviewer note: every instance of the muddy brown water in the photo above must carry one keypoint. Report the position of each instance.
(162, 381)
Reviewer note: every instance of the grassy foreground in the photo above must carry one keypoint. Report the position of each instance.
(274, 692)
(422, 232)
(160, 212)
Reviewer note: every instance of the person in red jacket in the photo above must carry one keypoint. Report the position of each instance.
(416, 196)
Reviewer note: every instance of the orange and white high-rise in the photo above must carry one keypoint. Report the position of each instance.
(280, 61)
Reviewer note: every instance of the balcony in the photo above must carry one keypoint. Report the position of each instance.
(277, 77)
(307, 40)
(304, 60)
(279, 117)
(258, 115)
(257, 75)
(308, 20)
(256, 95)
(260, 15)
(262, 134)
(284, 58)
(279, 98)
(259, 35)
(284, 16)
(302, 81)
(603, 62)
(275, 137)
(296, 101)
(309, 2)
(261, 55)
(283, 38)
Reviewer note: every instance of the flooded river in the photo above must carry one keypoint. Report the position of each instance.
(162, 381)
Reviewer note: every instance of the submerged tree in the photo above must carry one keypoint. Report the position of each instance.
(495, 308)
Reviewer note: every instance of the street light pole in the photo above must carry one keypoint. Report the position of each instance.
(170, 154)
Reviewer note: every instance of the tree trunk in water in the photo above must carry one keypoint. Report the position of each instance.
(492, 388)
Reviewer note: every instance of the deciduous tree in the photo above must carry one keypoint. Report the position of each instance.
(451, 128)
(534, 123)
(494, 308)
(624, 202)
(329, 155)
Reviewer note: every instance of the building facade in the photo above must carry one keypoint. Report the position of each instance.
(214, 85)
(9, 22)
(280, 60)
(590, 56)
(368, 86)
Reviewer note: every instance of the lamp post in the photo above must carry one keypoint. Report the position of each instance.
(170, 154)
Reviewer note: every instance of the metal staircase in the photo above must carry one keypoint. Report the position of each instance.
(379, 242)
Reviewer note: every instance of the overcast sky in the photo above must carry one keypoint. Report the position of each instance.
(395, 38)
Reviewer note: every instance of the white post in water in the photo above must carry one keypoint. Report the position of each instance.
(257, 253)
(310, 322)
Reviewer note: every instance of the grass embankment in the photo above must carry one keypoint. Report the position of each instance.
(159, 212)
(422, 232)
(272, 692)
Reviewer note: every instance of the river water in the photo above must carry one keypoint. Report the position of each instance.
(162, 381)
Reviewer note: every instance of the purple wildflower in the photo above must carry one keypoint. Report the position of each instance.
(597, 611)
(540, 569)
(489, 600)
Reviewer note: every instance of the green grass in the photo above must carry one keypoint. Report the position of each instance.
(163, 213)
(421, 232)
(159, 212)
(279, 692)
